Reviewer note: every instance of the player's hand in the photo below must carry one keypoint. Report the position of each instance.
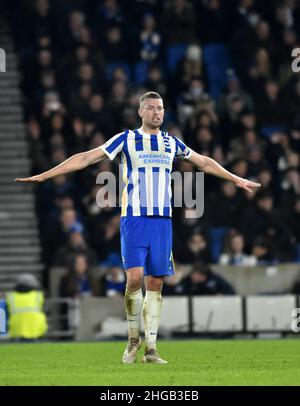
(246, 184)
(36, 178)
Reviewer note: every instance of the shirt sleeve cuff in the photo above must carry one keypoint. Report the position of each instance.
(187, 154)
(110, 156)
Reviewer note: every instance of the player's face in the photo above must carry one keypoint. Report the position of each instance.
(152, 113)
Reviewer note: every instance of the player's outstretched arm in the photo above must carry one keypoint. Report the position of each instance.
(209, 165)
(74, 163)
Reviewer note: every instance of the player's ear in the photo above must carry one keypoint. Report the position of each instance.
(140, 113)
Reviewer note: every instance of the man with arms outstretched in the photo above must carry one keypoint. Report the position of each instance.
(147, 155)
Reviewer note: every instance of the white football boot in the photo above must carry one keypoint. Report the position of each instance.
(152, 356)
(130, 353)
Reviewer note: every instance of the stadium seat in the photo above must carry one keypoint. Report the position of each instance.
(141, 72)
(217, 61)
(216, 85)
(174, 54)
(216, 52)
(216, 236)
(267, 131)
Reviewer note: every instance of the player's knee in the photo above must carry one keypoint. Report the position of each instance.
(134, 283)
(134, 279)
(154, 284)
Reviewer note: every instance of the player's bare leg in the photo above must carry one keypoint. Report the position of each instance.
(133, 306)
(151, 313)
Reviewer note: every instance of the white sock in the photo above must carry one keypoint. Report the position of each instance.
(151, 312)
(133, 305)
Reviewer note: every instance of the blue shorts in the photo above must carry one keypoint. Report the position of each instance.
(146, 241)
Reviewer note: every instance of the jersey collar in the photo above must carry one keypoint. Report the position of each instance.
(143, 132)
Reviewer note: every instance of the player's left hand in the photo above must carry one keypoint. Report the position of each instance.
(246, 184)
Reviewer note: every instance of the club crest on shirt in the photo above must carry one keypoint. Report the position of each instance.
(166, 141)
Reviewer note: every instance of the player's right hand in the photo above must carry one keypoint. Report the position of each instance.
(36, 178)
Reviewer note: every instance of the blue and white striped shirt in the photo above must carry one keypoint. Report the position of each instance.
(146, 165)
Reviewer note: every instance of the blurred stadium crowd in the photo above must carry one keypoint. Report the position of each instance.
(224, 71)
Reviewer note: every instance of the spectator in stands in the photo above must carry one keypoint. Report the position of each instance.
(188, 223)
(107, 236)
(90, 202)
(263, 37)
(241, 147)
(76, 23)
(149, 39)
(248, 120)
(45, 61)
(189, 67)
(283, 55)
(114, 282)
(155, 80)
(59, 187)
(69, 221)
(172, 284)
(262, 252)
(36, 146)
(270, 108)
(27, 320)
(85, 74)
(236, 255)
(256, 162)
(108, 14)
(120, 74)
(293, 218)
(76, 245)
(58, 233)
(99, 115)
(46, 84)
(291, 94)
(114, 47)
(203, 281)
(78, 280)
(117, 100)
(51, 103)
(264, 177)
(234, 108)
(56, 142)
(178, 22)
(203, 119)
(195, 250)
(78, 102)
(192, 100)
(223, 206)
(233, 90)
(205, 141)
(265, 221)
(263, 64)
(214, 23)
(240, 167)
(291, 177)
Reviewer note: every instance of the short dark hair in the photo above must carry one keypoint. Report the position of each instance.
(150, 95)
(201, 267)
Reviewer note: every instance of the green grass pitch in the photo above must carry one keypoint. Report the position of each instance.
(191, 362)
